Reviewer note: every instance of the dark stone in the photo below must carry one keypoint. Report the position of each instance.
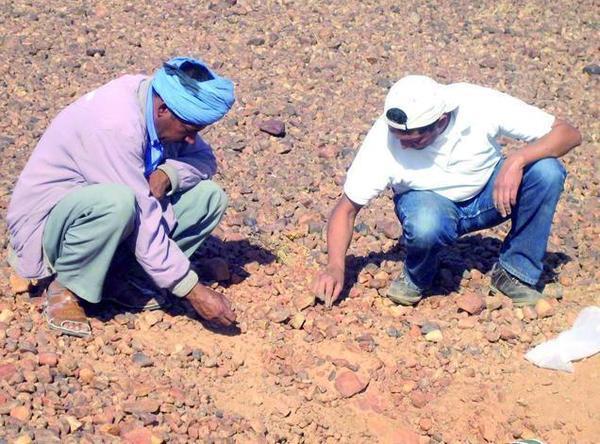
(385, 83)
(592, 70)
(429, 327)
(142, 360)
(256, 41)
(273, 127)
(93, 51)
(393, 332)
(361, 228)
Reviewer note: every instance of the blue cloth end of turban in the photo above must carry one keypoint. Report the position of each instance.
(203, 105)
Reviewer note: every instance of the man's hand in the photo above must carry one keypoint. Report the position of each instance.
(211, 306)
(328, 285)
(159, 183)
(507, 184)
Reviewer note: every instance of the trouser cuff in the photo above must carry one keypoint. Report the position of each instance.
(517, 273)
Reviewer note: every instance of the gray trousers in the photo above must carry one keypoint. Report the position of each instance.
(85, 229)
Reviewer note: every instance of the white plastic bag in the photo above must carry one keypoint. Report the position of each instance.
(580, 341)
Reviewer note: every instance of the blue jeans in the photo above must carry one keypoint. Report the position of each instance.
(431, 222)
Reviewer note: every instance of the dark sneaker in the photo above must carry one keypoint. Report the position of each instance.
(507, 284)
(403, 293)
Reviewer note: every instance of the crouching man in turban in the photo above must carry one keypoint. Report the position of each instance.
(122, 171)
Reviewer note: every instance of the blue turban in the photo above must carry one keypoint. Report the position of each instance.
(197, 102)
(200, 102)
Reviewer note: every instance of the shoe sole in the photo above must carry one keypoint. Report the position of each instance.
(516, 303)
(403, 301)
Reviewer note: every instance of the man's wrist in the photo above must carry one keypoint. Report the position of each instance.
(336, 266)
(520, 159)
(173, 177)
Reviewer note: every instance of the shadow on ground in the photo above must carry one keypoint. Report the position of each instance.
(471, 252)
(237, 254)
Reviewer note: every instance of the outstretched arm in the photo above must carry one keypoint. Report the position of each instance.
(561, 139)
(329, 283)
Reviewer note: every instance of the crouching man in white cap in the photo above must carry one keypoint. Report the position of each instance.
(435, 146)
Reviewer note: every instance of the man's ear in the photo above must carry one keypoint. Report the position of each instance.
(163, 110)
(442, 121)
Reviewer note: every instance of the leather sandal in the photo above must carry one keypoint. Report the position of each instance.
(63, 312)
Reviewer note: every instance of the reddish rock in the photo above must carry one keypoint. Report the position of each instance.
(140, 436)
(467, 323)
(142, 406)
(492, 336)
(507, 333)
(7, 371)
(48, 358)
(349, 385)
(390, 228)
(471, 303)
(415, 331)
(105, 416)
(18, 284)
(21, 413)
(565, 280)
(418, 399)
(488, 429)
(327, 152)
(425, 424)
(110, 429)
(405, 436)
(377, 284)
(279, 314)
(304, 300)
(86, 375)
(372, 401)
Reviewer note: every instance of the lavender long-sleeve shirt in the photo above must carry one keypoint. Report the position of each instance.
(101, 138)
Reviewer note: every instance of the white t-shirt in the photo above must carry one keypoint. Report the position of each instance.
(458, 164)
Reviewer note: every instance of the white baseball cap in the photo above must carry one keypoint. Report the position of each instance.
(415, 102)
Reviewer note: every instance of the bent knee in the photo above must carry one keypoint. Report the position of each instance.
(549, 171)
(213, 195)
(218, 196)
(119, 201)
(428, 228)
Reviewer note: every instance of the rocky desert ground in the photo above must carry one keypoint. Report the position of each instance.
(450, 370)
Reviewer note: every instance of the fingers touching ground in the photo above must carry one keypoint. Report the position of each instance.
(212, 306)
(328, 286)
